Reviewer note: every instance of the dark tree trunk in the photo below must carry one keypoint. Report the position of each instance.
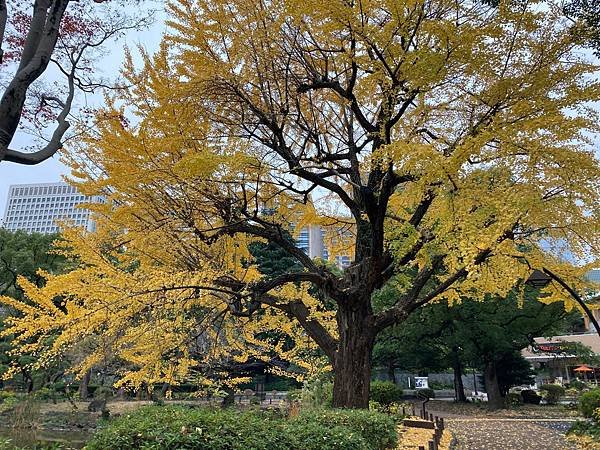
(29, 383)
(164, 389)
(83, 386)
(352, 365)
(229, 399)
(459, 389)
(392, 372)
(495, 399)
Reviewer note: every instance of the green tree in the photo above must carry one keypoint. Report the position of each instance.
(24, 255)
(272, 260)
(587, 13)
(484, 334)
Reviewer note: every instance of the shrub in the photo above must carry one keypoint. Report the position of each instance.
(577, 384)
(530, 397)
(514, 399)
(378, 430)
(174, 427)
(8, 400)
(316, 436)
(426, 393)
(588, 428)
(385, 392)
(5, 395)
(47, 393)
(179, 427)
(589, 401)
(317, 394)
(283, 384)
(552, 393)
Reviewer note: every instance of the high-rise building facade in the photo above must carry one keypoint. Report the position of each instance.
(38, 208)
(311, 240)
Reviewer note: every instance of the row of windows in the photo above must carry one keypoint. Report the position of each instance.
(47, 212)
(42, 190)
(42, 219)
(50, 221)
(43, 205)
(32, 229)
(14, 210)
(47, 199)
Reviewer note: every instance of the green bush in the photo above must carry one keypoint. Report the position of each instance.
(317, 394)
(589, 427)
(385, 392)
(4, 395)
(315, 436)
(177, 427)
(576, 384)
(425, 393)
(514, 399)
(530, 397)
(552, 393)
(8, 400)
(378, 430)
(589, 401)
(283, 384)
(441, 385)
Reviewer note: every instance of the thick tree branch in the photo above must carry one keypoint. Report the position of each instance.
(55, 142)
(33, 64)
(576, 297)
(313, 327)
(345, 94)
(3, 20)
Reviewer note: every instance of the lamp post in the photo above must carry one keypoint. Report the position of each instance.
(542, 278)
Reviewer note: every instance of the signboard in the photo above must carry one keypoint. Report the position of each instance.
(553, 347)
(421, 382)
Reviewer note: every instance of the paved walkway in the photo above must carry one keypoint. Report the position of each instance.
(510, 434)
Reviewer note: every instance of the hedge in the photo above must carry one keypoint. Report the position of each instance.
(385, 392)
(179, 427)
(378, 430)
(552, 393)
(589, 401)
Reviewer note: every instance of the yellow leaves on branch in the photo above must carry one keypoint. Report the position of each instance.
(255, 119)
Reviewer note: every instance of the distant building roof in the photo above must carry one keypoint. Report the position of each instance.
(549, 347)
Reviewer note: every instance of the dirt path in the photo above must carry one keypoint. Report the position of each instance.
(510, 434)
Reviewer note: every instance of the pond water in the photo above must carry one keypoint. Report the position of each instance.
(28, 438)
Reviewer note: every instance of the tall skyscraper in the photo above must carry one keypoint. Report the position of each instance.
(39, 207)
(311, 240)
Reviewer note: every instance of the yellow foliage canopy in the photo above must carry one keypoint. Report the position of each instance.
(443, 143)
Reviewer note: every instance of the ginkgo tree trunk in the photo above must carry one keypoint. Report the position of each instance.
(436, 143)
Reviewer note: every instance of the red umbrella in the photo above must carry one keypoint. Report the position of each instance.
(583, 368)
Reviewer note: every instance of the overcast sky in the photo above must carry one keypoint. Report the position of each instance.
(52, 170)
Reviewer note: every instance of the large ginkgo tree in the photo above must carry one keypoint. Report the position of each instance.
(444, 146)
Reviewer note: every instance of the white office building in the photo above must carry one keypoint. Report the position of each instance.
(38, 208)
(311, 240)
